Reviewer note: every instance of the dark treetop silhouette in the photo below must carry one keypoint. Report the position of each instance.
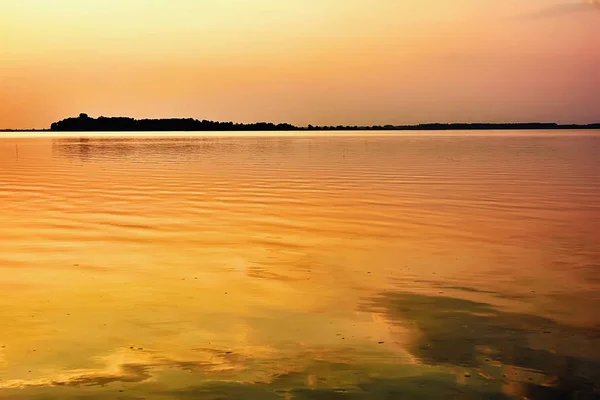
(85, 123)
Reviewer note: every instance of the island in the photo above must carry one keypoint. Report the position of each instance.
(85, 123)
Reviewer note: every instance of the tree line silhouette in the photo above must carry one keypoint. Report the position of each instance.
(84, 123)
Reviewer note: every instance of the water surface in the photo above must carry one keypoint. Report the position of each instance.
(277, 266)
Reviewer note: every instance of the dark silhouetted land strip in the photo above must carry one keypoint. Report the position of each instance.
(109, 124)
(84, 123)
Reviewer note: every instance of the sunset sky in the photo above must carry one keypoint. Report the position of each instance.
(300, 61)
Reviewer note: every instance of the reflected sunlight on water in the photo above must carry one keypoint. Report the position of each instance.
(454, 265)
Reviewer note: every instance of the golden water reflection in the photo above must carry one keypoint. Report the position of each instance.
(362, 266)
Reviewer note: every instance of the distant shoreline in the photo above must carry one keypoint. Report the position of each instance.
(303, 129)
(84, 123)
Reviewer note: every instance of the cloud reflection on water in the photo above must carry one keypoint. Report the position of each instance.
(533, 356)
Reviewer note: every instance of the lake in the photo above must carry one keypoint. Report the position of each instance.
(373, 265)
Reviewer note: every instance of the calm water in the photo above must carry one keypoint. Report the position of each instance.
(300, 267)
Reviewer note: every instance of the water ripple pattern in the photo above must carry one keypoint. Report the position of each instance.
(344, 265)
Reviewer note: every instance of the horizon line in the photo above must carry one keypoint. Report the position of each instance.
(205, 125)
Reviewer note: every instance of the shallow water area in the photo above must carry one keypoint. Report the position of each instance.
(355, 265)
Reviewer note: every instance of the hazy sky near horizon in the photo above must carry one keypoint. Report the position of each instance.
(300, 61)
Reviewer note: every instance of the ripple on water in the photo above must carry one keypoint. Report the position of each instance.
(350, 266)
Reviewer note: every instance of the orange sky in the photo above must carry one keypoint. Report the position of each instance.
(300, 61)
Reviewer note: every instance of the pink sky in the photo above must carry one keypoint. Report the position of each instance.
(300, 61)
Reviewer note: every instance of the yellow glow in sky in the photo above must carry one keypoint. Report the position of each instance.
(300, 61)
